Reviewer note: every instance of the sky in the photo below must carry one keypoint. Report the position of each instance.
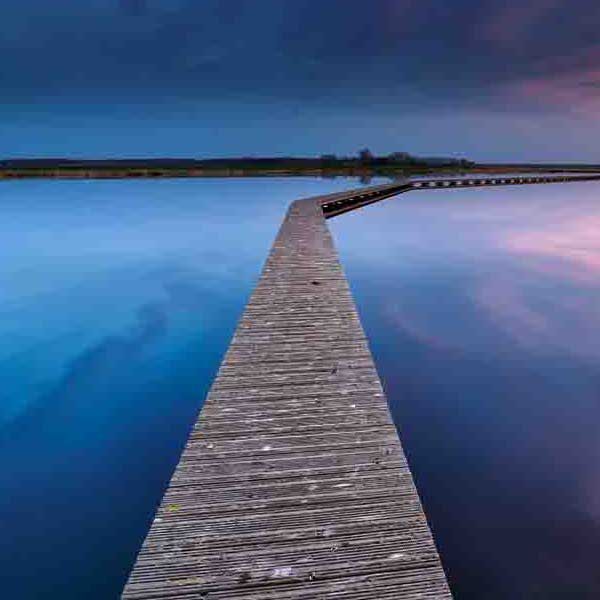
(490, 80)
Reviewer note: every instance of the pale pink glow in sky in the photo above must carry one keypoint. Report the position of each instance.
(577, 92)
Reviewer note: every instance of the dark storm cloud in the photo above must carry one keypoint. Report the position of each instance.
(134, 7)
(278, 50)
(486, 77)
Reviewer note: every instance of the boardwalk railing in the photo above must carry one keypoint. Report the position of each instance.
(293, 484)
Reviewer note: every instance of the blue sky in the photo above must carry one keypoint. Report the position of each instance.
(491, 80)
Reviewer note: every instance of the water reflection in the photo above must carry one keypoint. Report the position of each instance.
(483, 314)
(118, 301)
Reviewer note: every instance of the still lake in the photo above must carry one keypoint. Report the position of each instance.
(118, 300)
(482, 308)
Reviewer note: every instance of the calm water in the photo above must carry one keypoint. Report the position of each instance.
(483, 311)
(117, 301)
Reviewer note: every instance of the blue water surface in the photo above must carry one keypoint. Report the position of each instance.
(483, 312)
(117, 302)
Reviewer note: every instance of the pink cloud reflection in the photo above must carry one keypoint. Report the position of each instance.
(546, 299)
(551, 300)
(570, 249)
(507, 305)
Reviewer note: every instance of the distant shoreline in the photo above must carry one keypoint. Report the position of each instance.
(136, 172)
(257, 167)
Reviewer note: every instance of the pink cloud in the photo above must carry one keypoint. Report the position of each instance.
(574, 87)
(572, 92)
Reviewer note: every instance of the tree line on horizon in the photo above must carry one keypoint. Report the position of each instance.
(363, 158)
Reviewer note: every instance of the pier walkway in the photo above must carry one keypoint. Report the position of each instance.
(293, 484)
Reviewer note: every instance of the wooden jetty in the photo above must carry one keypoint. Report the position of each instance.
(293, 484)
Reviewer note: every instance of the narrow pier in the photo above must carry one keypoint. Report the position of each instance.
(293, 484)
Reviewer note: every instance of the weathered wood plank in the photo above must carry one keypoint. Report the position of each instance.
(293, 484)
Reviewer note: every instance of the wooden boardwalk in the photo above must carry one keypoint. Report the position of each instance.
(293, 484)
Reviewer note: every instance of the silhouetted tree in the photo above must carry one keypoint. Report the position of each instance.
(365, 155)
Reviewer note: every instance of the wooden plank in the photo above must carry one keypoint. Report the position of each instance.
(293, 484)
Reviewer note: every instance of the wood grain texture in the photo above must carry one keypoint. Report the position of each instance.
(293, 484)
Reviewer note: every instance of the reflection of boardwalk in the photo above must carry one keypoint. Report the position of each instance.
(293, 484)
